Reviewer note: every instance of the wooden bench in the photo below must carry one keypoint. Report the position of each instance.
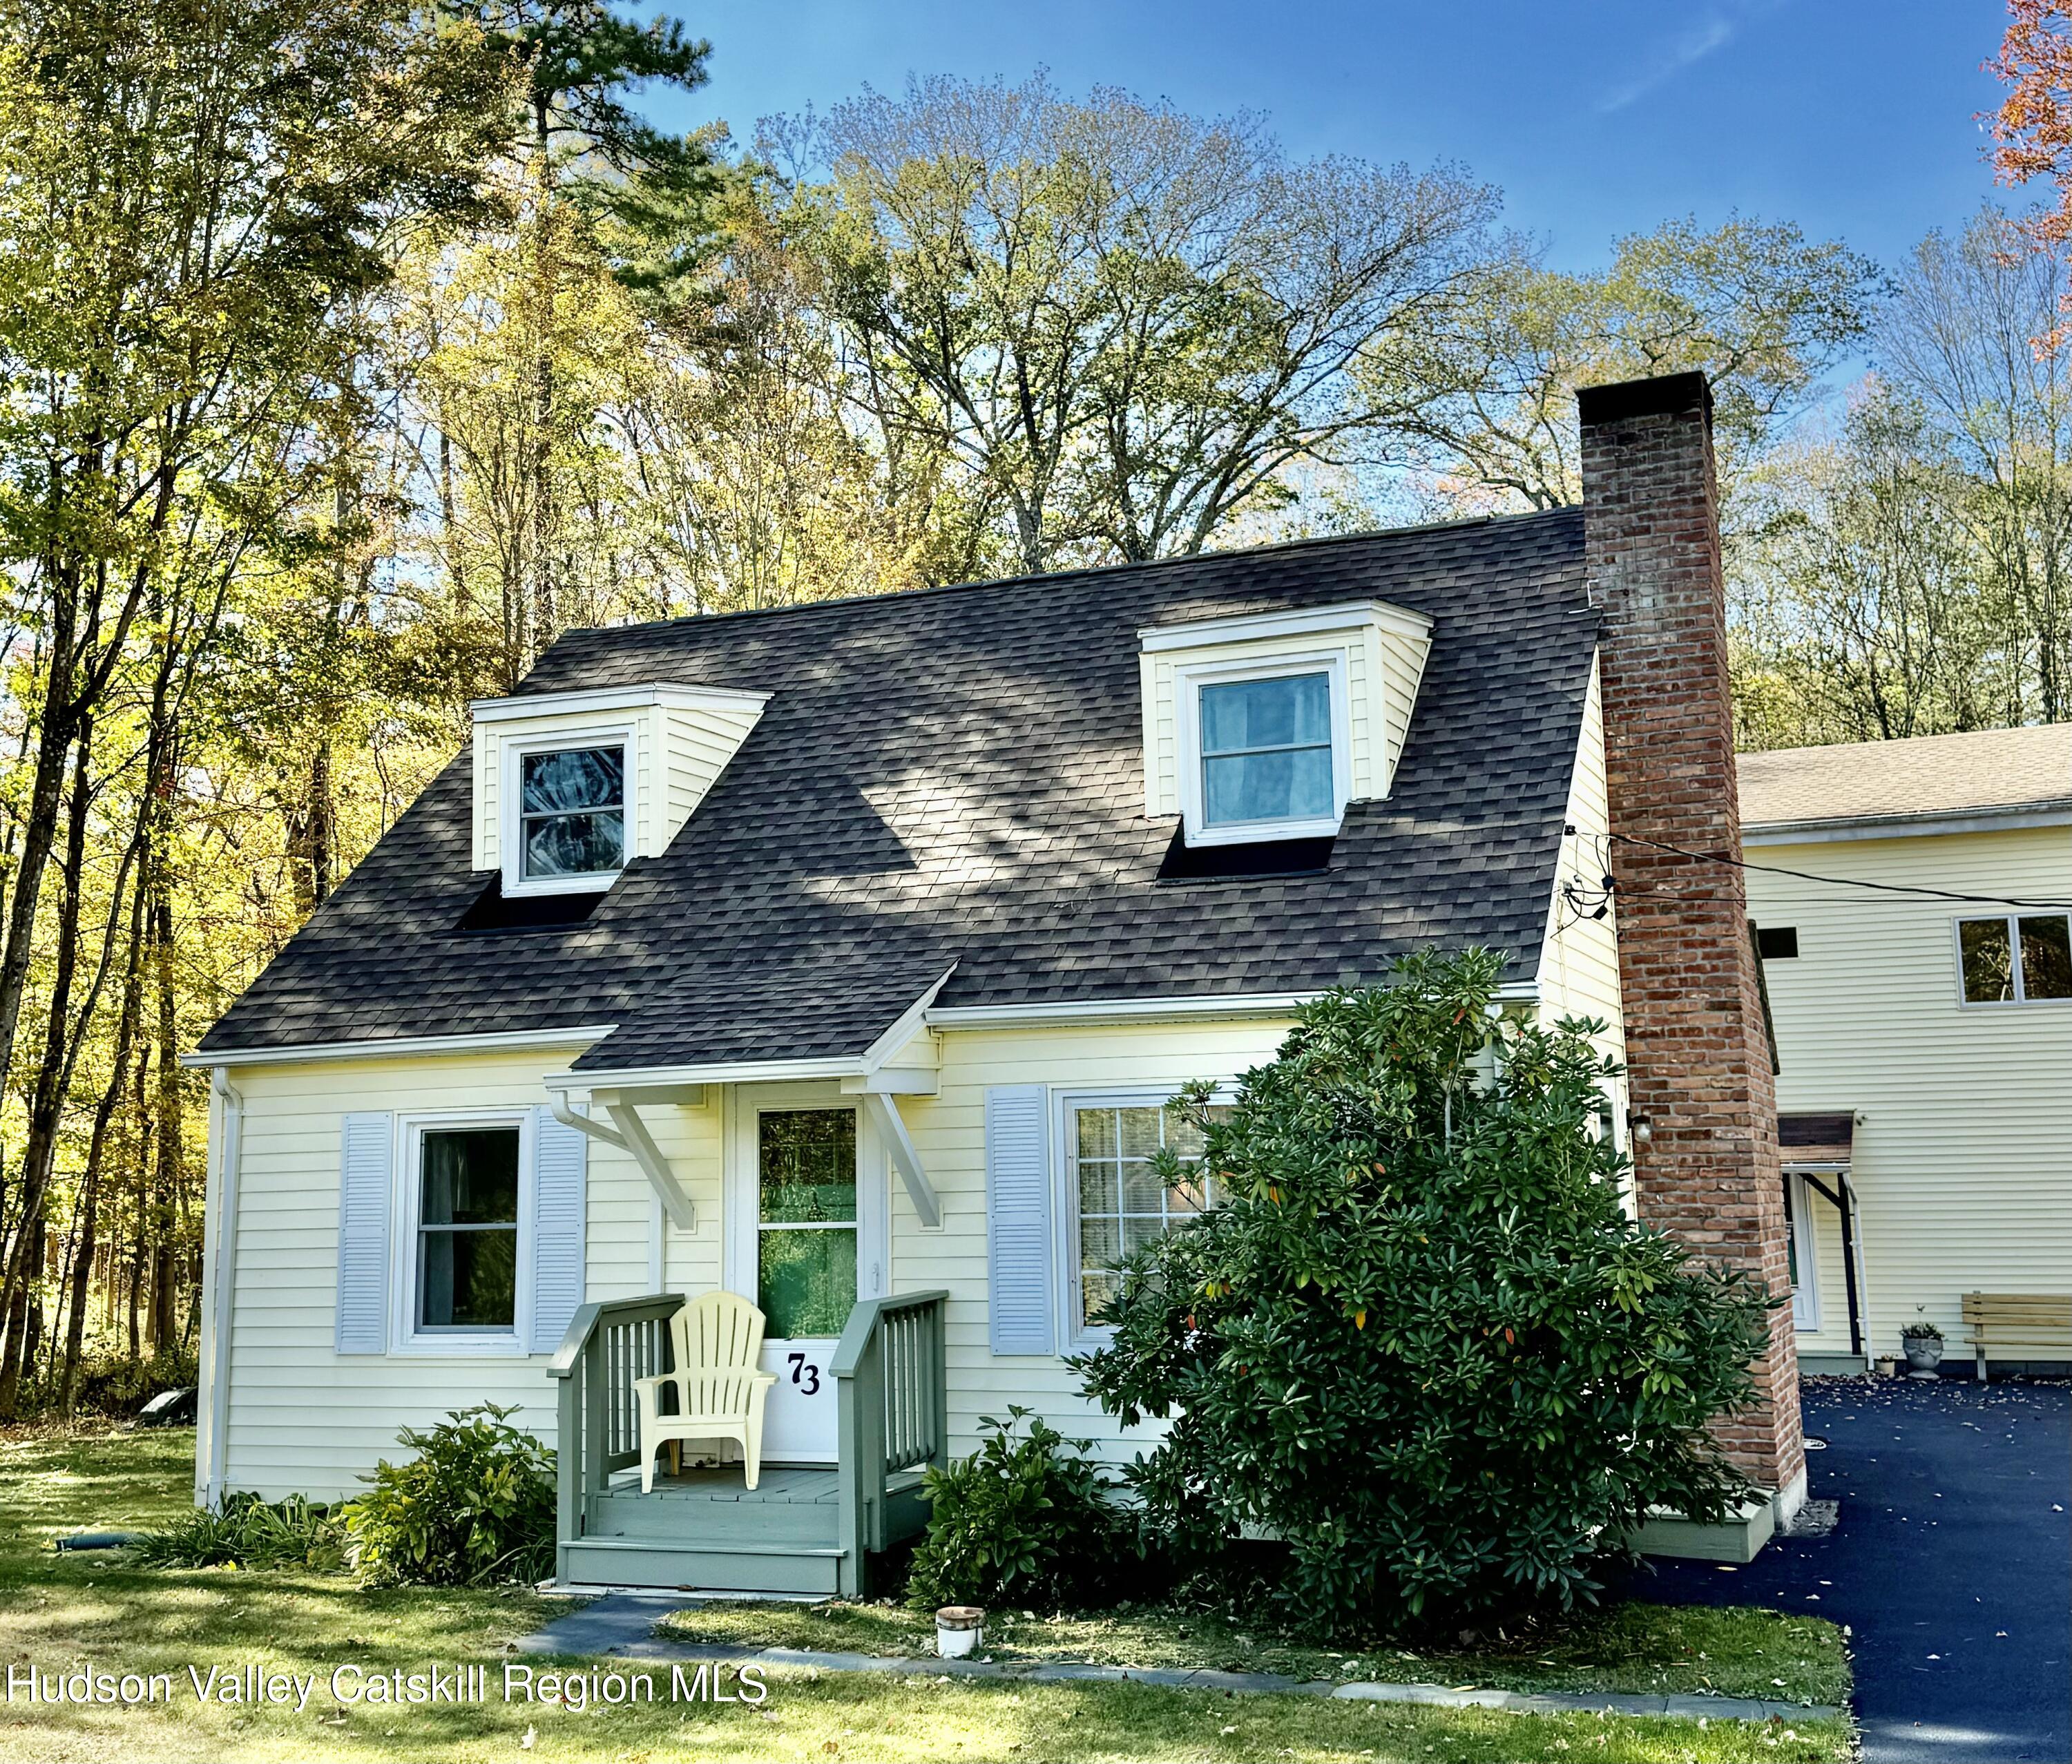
(1999, 1320)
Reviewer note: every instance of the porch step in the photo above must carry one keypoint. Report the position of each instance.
(652, 1518)
(701, 1566)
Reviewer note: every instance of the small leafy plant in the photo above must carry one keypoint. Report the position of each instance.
(249, 1532)
(1921, 1332)
(1025, 1520)
(475, 1505)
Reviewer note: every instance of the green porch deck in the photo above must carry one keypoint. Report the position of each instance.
(804, 1529)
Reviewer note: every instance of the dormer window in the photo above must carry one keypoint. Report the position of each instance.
(1264, 749)
(570, 804)
(572, 787)
(1262, 727)
(572, 813)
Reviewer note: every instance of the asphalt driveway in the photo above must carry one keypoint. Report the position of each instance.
(1952, 1563)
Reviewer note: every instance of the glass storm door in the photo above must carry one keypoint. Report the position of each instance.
(806, 1233)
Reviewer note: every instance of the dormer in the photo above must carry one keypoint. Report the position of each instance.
(1263, 727)
(570, 786)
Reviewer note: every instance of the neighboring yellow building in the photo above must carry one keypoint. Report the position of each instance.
(1924, 1038)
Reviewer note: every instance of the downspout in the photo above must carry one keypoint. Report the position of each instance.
(218, 1278)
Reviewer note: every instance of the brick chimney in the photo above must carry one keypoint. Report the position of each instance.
(1700, 1083)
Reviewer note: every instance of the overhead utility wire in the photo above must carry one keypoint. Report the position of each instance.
(1848, 882)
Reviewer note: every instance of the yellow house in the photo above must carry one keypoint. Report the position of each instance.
(845, 957)
(1919, 970)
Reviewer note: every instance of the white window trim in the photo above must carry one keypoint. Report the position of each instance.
(404, 1334)
(1188, 681)
(2012, 921)
(510, 831)
(1806, 1295)
(1074, 1337)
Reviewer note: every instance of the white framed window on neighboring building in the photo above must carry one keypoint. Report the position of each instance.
(1800, 1248)
(2014, 958)
(462, 1265)
(1111, 1200)
(568, 813)
(1265, 749)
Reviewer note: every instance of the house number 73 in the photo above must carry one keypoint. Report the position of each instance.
(804, 1375)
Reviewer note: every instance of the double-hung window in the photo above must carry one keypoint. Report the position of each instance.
(462, 1273)
(1119, 1201)
(572, 813)
(1264, 751)
(2021, 958)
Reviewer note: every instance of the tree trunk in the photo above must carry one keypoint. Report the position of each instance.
(104, 1116)
(545, 609)
(136, 1294)
(82, 1279)
(170, 1172)
(25, 1261)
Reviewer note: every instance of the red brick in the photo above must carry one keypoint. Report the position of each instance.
(1699, 1069)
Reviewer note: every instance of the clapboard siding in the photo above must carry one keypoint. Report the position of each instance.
(949, 1129)
(1963, 1166)
(303, 1418)
(700, 743)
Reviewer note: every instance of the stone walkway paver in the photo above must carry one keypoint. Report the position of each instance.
(622, 1625)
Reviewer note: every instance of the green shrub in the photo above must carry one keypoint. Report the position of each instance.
(1423, 1344)
(249, 1532)
(1026, 1520)
(476, 1504)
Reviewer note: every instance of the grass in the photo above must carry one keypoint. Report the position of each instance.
(1635, 1647)
(97, 1611)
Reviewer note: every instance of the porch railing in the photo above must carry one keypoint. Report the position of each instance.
(597, 1417)
(893, 1410)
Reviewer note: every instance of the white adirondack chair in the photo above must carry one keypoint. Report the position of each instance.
(720, 1391)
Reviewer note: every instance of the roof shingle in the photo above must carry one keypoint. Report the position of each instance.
(1986, 770)
(956, 776)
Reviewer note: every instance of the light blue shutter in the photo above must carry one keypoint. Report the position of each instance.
(1017, 1218)
(366, 1151)
(558, 1154)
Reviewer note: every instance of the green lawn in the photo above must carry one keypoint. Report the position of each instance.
(64, 1613)
(1631, 1647)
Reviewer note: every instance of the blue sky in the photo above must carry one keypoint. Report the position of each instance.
(1855, 118)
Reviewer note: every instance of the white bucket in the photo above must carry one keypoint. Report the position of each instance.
(960, 1630)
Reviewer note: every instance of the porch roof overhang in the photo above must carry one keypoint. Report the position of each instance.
(901, 1061)
(1816, 1141)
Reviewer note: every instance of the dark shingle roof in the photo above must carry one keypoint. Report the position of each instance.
(956, 776)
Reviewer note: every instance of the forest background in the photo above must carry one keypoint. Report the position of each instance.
(351, 351)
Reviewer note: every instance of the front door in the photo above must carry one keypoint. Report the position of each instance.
(805, 1266)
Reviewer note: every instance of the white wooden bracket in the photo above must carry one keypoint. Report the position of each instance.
(884, 1110)
(628, 1133)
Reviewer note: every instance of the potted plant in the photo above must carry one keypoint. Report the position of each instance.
(1923, 1342)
